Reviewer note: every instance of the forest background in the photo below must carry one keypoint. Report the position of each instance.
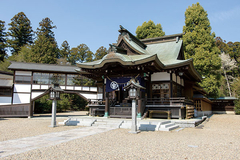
(215, 59)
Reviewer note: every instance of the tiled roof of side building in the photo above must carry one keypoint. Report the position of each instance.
(42, 67)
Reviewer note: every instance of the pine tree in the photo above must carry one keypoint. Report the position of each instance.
(199, 44)
(20, 32)
(45, 49)
(100, 53)
(2, 40)
(149, 30)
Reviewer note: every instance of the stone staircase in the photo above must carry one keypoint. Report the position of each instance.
(105, 123)
(142, 125)
(151, 126)
(78, 122)
(167, 126)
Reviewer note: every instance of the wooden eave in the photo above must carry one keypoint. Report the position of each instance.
(123, 63)
(117, 67)
(191, 70)
(117, 70)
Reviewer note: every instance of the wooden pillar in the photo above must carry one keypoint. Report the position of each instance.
(171, 86)
(180, 113)
(30, 110)
(106, 105)
(150, 86)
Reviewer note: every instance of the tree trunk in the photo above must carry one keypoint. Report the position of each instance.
(227, 83)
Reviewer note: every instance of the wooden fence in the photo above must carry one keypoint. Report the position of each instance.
(15, 110)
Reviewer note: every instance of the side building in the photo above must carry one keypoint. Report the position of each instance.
(31, 81)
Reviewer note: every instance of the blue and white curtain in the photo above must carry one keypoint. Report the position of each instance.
(118, 83)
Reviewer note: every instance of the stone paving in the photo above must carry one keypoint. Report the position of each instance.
(21, 145)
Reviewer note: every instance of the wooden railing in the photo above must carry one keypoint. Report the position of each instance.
(121, 111)
(96, 102)
(169, 101)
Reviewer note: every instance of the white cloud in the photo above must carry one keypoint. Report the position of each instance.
(225, 15)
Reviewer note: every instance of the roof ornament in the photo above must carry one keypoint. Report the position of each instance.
(125, 33)
(121, 27)
(177, 39)
(112, 48)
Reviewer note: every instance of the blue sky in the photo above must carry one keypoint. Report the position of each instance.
(96, 23)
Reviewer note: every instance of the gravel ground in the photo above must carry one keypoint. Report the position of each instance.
(13, 128)
(217, 139)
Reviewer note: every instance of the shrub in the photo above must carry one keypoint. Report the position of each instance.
(237, 106)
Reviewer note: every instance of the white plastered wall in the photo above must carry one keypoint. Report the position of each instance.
(22, 92)
(21, 98)
(174, 77)
(178, 80)
(160, 76)
(22, 88)
(89, 96)
(35, 94)
(5, 100)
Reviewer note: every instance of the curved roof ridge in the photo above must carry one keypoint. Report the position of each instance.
(134, 46)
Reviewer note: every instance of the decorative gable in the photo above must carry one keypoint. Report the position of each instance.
(129, 50)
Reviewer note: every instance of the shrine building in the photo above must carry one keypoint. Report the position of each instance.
(170, 81)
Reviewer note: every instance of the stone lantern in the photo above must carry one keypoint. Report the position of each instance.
(133, 88)
(54, 95)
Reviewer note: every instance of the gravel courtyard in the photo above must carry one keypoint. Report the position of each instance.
(218, 138)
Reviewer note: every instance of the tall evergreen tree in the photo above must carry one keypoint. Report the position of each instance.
(149, 30)
(100, 53)
(2, 40)
(222, 45)
(46, 26)
(64, 50)
(199, 44)
(80, 54)
(20, 32)
(45, 49)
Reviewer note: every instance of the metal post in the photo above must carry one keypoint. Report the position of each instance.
(54, 106)
(134, 118)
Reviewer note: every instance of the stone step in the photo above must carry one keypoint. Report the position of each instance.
(105, 126)
(165, 122)
(108, 124)
(147, 127)
(126, 124)
(78, 122)
(166, 125)
(169, 128)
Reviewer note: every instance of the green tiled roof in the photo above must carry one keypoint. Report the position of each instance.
(166, 52)
(42, 67)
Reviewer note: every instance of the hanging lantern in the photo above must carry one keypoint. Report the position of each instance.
(133, 88)
(55, 92)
